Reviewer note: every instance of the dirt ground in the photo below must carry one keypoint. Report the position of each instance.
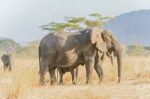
(104, 91)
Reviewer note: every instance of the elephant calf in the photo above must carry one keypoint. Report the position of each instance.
(73, 71)
(6, 59)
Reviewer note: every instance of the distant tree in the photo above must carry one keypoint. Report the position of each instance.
(54, 27)
(8, 45)
(76, 23)
(97, 20)
(136, 50)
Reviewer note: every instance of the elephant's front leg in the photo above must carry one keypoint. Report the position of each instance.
(98, 65)
(99, 71)
(89, 69)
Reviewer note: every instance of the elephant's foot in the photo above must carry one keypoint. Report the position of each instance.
(74, 83)
(9, 69)
(119, 80)
(89, 82)
(100, 81)
(42, 83)
(61, 83)
(53, 82)
(42, 80)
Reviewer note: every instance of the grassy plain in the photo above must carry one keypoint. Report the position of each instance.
(23, 82)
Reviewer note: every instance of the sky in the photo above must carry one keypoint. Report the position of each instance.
(20, 19)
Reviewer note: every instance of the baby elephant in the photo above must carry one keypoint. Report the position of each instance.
(6, 59)
(73, 71)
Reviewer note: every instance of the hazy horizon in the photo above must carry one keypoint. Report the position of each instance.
(20, 20)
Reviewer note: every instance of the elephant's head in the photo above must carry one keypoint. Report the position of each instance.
(113, 47)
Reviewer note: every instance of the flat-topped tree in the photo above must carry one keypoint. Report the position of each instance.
(54, 26)
(77, 23)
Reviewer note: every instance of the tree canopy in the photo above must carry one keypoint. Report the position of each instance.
(76, 23)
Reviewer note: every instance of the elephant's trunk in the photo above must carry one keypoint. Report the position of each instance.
(119, 61)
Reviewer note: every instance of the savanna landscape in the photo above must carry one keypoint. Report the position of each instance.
(23, 81)
(108, 38)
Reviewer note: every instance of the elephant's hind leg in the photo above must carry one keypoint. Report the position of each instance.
(42, 78)
(52, 76)
(43, 65)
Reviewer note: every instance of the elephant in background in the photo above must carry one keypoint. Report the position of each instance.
(67, 49)
(7, 61)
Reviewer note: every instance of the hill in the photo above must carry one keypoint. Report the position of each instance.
(8, 44)
(131, 28)
(30, 49)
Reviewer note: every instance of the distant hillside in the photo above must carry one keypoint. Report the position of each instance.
(8, 44)
(132, 28)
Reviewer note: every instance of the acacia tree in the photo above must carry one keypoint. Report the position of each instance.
(96, 20)
(77, 23)
(54, 26)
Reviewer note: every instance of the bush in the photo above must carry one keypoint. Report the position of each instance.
(30, 50)
(138, 50)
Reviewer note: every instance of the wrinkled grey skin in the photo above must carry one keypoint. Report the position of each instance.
(6, 59)
(66, 50)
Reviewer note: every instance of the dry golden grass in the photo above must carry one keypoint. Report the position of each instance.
(23, 82)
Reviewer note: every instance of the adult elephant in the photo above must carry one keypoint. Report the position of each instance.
(66, 50)
(99, 58)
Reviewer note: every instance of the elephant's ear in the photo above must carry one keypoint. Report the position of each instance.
(96, 38)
